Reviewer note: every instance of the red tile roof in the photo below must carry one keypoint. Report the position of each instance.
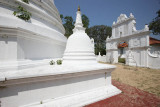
(122, 45)
(153, 41)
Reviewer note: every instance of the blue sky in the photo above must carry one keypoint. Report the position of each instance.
(104, 12)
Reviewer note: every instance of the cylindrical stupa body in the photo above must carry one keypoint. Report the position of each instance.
(41, 37)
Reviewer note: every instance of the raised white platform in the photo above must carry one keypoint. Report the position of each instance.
(79, 99)
(22, 64)
(57, 86)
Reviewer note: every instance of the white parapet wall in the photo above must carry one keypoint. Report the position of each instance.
(154, 59)
(56, 86)
(100, 58)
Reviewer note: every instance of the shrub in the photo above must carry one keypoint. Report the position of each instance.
(51, 62)
(59, 62)
(22, 13)
(121, 60)
(26, 1)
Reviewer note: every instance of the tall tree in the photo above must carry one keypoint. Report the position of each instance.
(62, 18)
(155, 24)
(68, 23)
(85, 21)
(99, 33)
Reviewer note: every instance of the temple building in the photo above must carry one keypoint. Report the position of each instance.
(136, 46)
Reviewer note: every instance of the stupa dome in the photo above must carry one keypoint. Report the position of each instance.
(79, 42)
(79, 47)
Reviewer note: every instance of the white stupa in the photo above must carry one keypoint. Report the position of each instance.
(79, 48)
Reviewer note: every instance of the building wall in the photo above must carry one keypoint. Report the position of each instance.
(154, 56)
(155, 49)
(8, 50)
(38, 49)
(154, 62)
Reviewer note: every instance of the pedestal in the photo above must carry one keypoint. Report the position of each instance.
(57, 86)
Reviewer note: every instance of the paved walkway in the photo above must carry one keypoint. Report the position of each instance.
(130, 97)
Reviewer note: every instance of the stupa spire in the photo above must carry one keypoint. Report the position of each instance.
(78, 24)
(78, 17)
(79, 8)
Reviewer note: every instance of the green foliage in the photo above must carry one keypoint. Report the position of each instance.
(68, 24)
(121, 60)
(100, 48)
(155, 24)
(51, 62)
(85, 21)
(99, 33)
(59, 62)
(61, 16)
(26, 1)
(22, 13)
(41, 102)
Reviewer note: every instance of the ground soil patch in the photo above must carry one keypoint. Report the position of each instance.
(142, 78)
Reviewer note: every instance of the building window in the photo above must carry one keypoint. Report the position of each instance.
(121, 51)
(120, 34)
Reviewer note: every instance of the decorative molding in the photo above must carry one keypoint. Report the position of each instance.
(136, 42)
(50, 76)
(124, 21)
(49, 8)
(143, 41)
(151, 55)
(135, 34)
(20, 32)
(41, 14)
(35, 12)
(108, 50)
(135, 48)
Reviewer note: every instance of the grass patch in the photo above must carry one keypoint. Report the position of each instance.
(121, 60)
